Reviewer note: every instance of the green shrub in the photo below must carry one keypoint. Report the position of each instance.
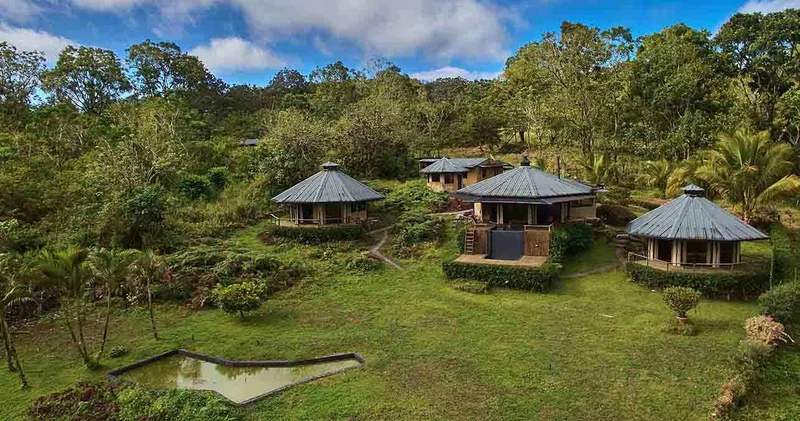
(617, 195)
(416, 227)
(710, 284)
(363, 264)
(118, 351)
(18, 237)
(137, 404)
(318, 235)
(415, 195)
(539, 279)
(218, 177)
(470, 286)
(615, 215)
(238, 298)
(681, 299)
(569, 240)
(782, 302)
(195, 186)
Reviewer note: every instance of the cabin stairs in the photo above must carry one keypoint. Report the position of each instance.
(469, 241)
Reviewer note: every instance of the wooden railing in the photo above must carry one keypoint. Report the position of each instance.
(316, 221)
(746, 265)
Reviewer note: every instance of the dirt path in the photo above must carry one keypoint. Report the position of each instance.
(375, 249)
(604, 268)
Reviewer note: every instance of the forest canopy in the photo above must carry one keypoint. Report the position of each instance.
(142, 150)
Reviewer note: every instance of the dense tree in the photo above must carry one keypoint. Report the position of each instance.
(162, 68)
(87, 78)
(20, 72)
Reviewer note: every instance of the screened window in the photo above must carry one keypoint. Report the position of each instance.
(448, 179)
(434, 178)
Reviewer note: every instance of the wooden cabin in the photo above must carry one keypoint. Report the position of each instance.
(451, 174)
(691, 232)
(516, 211)
(328, 197)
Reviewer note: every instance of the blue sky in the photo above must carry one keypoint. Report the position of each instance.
(247, 41)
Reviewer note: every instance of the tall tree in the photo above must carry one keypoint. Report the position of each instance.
(162, 68)
(749, 171)
(764, 52)
(19, 77)
(87, 78)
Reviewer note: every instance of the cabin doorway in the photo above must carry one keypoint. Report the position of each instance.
(664, 250)
(306, 213)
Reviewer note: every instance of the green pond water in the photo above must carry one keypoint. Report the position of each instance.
(235, 383)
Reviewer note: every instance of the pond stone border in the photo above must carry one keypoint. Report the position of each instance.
(114, 375)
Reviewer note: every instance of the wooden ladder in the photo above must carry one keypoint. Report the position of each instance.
(469, 241)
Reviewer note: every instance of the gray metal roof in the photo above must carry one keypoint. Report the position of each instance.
(328, 186)
(693, 217)
(248, 142)
(443, 165)
(525, 183)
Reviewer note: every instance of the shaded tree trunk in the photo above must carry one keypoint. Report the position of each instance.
(9, 357)
(12, 350)
(105, 325)
(78, 343)
(152, 313)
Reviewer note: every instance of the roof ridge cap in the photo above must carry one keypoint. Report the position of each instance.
(529, 175)
(321, 188)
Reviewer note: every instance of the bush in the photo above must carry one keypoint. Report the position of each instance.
(748, 358)
(764, 329)
(415, 195)
(238, 298)
(416, 227)
(93, 401)
(539, 279)
(681, 299)
(218, 177)
(18, 237)
(138, 404)
(195, 187)
(782, 302)
(710, 284)
(569, 240)
(363, 264)
(319, 235)
(615, 215)
(617, 195)
(118, 351)
(470, 286)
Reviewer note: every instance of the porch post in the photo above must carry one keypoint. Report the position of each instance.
(499, 213)
(530, 214)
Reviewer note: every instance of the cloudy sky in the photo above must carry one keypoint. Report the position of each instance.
(247, 41)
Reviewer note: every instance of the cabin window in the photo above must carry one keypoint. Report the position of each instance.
(359, 207)
(483, 172)
(434, 178)
(726, 251)
(585, 203)
(448, 179)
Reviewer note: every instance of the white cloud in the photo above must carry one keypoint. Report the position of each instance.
(231, 54)
(449, 71)
(769, 6)
(18, 10)
(440, 30)
(32, 40)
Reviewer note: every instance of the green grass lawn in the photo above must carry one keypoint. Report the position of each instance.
(592, 349)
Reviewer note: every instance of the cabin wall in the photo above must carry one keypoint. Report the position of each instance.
(478, 174)
(441, 186)
(583, 209)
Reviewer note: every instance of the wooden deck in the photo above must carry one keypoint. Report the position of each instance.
(480, 259)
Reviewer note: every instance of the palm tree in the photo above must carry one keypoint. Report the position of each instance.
(12, 291)
(110, 269)
(68, 273)
(748, 170)
(656, 174)
(597, 168)
(148, 268)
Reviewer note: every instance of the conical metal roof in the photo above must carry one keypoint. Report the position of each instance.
(528, 183)
(328, 186)
(446, 166)
(693, 217)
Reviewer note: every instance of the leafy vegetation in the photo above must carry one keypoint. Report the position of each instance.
(681, 299)
(722, 284)
(782, 302)
(569, 240)
(316, 235)
(540, 279)
(238, 298)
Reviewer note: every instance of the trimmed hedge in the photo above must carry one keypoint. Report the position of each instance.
(319, 235)
(539, 279)
(710, 284)
(782, 302)
(569, 240)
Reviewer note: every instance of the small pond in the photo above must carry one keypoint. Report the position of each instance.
(239, 383)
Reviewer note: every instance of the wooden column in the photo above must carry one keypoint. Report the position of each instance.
(499, 213)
